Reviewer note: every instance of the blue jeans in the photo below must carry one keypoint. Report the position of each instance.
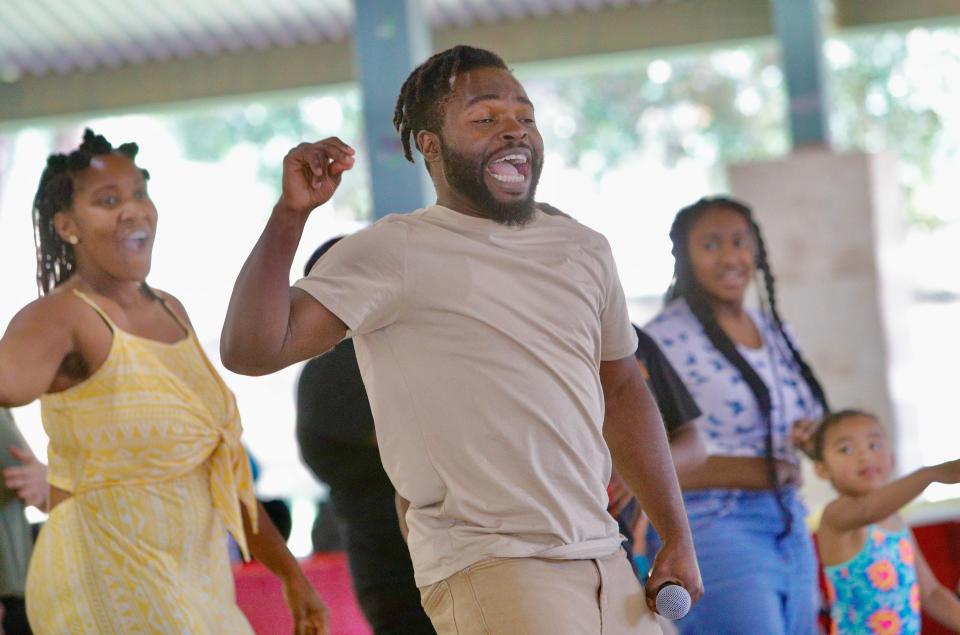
(752, 582)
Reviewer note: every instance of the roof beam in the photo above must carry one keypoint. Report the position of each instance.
(614, 30)
(301, 67)
(146, 86)
(881, 13)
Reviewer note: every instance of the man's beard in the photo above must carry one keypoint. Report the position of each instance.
(467, 177)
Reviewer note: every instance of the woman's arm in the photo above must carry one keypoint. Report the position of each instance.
(737, 472)
(267, 546)
(935, 599)
(687, 449)
(32, 349)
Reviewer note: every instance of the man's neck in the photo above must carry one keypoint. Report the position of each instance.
(460, 205)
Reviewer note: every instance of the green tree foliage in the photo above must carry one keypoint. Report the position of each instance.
(889, 91)
(897, 91)
(274, 126)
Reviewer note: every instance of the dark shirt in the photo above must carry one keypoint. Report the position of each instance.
(673, 399)
(338, 443)
(332, 401)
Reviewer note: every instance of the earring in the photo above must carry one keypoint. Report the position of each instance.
(73, 240)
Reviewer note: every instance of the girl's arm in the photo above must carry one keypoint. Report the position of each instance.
(267, 546)
(848, 512)
(935, 599)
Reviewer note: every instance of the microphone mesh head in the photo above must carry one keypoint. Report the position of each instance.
(673, 602)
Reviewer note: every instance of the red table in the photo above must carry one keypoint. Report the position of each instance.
(260, 596)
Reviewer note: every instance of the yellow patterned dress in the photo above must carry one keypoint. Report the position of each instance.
(149, 448)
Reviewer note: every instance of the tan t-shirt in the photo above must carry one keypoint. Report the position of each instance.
(480, 347)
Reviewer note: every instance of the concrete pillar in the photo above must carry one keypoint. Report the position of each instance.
(390, 40)
(833, 224)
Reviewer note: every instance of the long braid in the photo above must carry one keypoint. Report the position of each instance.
(423, 94)
(686, 286)
(721, 341)
(763, 264)
(56, 260)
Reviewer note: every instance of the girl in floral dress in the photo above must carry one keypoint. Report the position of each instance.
(877, 578)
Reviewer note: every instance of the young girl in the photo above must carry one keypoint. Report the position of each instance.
(877, 578)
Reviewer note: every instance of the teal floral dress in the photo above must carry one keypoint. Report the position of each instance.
(876, 591)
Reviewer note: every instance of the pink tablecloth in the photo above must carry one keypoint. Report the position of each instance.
(260, 596)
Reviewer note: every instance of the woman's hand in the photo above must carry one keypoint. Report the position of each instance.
(28, 480)
(308, 610)
(801, 435)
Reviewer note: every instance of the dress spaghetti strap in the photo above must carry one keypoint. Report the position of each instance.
(96, 307)
(113, 327)
(166, 307)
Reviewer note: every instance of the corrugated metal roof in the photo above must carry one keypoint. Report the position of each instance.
(43, 37)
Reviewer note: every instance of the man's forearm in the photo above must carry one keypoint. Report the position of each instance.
(641, 454)
(259, 312)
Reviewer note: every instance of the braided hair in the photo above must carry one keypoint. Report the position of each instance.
(685, 285)
(424, 93)
(56, 260)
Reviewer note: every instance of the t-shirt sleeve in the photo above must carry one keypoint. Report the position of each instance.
(362, 278)
(617, 337)
(674, 401)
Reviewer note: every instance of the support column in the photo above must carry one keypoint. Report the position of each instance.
(390, 40)
(833, 225)
(799, 27)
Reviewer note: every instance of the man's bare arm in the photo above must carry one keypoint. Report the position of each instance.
(638, 444)
(269, 325)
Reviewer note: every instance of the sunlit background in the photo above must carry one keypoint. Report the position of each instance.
(629, 140)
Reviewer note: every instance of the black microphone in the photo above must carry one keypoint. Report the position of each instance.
(673, 601)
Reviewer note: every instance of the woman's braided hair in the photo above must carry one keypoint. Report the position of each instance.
(55, 257)
(685, 286)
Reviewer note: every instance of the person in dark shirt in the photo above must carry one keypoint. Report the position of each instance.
(676, 405)
(337, 441)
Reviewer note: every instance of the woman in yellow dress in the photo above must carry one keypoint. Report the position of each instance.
(146, 468)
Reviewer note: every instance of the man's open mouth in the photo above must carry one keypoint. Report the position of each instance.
(510, 168)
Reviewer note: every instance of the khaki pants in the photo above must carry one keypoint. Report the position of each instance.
(533, 596)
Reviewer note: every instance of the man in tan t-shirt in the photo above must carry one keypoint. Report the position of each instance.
(498, 357)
